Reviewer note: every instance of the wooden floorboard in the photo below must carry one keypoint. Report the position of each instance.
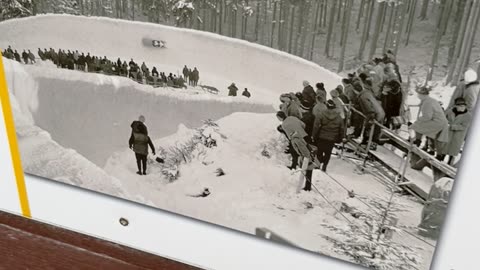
(29, 244)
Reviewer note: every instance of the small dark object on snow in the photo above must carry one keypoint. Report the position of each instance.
(265, 153)
(351, 194)
(160, 160)
(220, 172)
(124, 222)
(204, 194)
(308, 205)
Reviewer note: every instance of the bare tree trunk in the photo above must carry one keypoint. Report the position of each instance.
(378, 26)
(299, 29)
(315, 27)
(398, 38)
(273, 23)
(292, 24)
(411, 18)
(467, 41)
(458, 24)
(340, 5)
(281, 21)
(438, 37)
(389, 28)
(257, 21)
(306, 14)
(330, 29)
(366, 28)
(348, 7)
(459, 41)
(423, 13)
(360, 14)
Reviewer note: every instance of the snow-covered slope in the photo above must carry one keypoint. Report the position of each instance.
(221, 60)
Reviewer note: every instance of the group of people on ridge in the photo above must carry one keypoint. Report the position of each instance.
(75, 60)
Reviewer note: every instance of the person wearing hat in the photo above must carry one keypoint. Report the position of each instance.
(289, 106)
(467, 89)
(372, 109)
(392, 101)
(246, 93)
(330, 131)
(294, 129)
(341, 94)
(232, 90)
(431, 122)
(139, 143)
(321, 90)
(308, 94)
(340, 106)
(459, 120)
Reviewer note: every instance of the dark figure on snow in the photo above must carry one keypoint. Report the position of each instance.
(41, 54)
(196, 76)
(139, 143)
(25, 56)
(330, 131)
(155, 72)
(131, 63)
(185, 72)
(144, 67)
(17, 56)
(459, 120)
(31, 56)
(246, 93)
(431, 122)
(308, 95)
(232, 90)
(392, 99)
(373, 111)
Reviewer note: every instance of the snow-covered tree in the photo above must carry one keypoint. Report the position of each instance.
(15, 8)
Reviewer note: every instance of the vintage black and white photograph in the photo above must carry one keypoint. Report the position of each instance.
(334, 126)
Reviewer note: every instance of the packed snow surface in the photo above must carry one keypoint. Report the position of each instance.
(221, 60)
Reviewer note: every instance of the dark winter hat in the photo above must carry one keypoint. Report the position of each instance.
(460, 101)
(281, 115)
(357, 85)
(331, 104)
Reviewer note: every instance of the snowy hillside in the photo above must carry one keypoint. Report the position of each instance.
(220, 60)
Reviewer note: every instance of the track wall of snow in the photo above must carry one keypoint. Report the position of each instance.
(232, 59)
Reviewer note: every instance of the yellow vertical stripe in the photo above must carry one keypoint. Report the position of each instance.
(12, 139)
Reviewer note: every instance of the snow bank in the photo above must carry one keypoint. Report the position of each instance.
(43, 156)
(92, 113)
(265, 71)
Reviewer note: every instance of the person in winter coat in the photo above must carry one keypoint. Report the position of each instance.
(373, 111)
(468, 89)
(331, 130)
(246, 93)
(459, 120)
(196, 76)
(17, 56)
(25, 56)
(308, 95)
(31, 57)
(232, 90)
(341, 94)
(144, 67)
(294, 128)
(392, 99)
(321, 91)
(289, 106)
(431, 122)
(317, 111)
(185, 71)
(339, 105)
(139, 143)
(41, 54)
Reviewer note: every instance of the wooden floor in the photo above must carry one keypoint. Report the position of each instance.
(28, 244)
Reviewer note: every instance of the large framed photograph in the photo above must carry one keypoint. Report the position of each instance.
(332, 126)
